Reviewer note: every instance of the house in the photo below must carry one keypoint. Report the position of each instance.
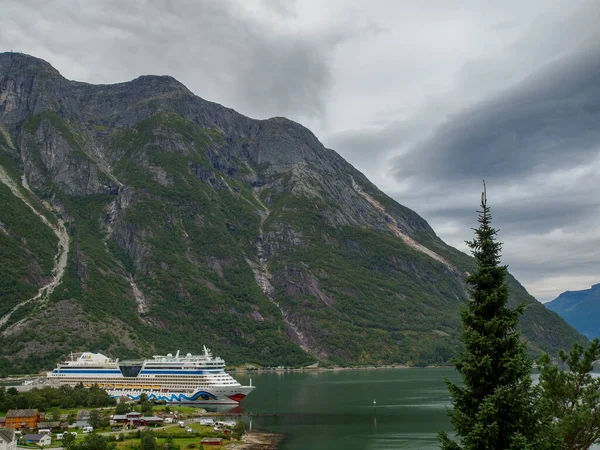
(40, 440)
(8, 440)
(83, 417)
(53, 426)
(22, 418)
(212, 442)
(131, 418)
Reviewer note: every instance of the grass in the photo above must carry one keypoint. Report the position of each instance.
(181, 409)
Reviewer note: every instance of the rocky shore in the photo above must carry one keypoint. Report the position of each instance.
(258, 440)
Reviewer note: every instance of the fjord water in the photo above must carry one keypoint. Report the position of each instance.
(334, 410)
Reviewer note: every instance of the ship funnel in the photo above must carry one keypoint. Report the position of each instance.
(177, 354)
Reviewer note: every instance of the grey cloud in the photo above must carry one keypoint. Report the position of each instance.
(542, 244)
(219, 50)
(549, 120)
(364, 147)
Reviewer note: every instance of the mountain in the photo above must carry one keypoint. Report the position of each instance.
(139, 218)
(581, 309)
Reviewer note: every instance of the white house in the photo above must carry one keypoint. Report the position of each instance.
(41, 440)
(8, 440)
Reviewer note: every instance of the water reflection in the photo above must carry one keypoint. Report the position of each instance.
(336, 410)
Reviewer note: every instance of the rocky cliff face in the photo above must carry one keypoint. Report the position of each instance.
(191, 224)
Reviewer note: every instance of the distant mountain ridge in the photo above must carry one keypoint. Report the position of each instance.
(581, 309)
(190, 224)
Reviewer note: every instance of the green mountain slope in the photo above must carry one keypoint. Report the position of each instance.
(191, 224)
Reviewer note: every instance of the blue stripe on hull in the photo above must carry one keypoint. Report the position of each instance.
(198, 397)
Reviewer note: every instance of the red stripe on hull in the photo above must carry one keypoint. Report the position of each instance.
(237, 397)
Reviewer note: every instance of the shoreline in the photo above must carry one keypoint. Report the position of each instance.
(327, 369)
(258, 440)
(8, 381)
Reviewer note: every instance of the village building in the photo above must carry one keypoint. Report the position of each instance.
(83, 418)
(22, 418)
(8, 440)
(53, 426)
(135, 419)
(40, 440)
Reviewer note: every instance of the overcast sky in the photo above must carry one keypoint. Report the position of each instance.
(426, 98)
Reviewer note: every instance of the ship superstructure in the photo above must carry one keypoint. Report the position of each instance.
(199, 379)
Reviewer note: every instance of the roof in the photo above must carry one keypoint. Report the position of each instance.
(48, 424)
(211, 440)
(7, 434)
(22, 413)
(33, 437)
(83, 414)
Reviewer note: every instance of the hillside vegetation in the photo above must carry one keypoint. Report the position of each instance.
(193, 225)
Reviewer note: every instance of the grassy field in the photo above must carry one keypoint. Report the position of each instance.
(188, 410)
(190, 442)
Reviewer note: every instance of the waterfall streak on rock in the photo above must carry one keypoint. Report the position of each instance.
(60, 260)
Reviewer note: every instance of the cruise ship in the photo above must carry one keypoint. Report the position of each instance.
(189, 379)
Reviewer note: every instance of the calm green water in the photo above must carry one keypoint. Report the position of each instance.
(334, 410)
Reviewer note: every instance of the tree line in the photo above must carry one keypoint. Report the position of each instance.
(64, 397)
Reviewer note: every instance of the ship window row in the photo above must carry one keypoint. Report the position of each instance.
(149, 378)
(153, 380)
(171, 382)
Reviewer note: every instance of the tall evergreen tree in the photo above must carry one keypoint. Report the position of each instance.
(494, 408)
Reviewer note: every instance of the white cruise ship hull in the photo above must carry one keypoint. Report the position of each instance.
(190, 379)
(205, 396)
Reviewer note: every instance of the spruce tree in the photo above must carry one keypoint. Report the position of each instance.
(494, 408)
